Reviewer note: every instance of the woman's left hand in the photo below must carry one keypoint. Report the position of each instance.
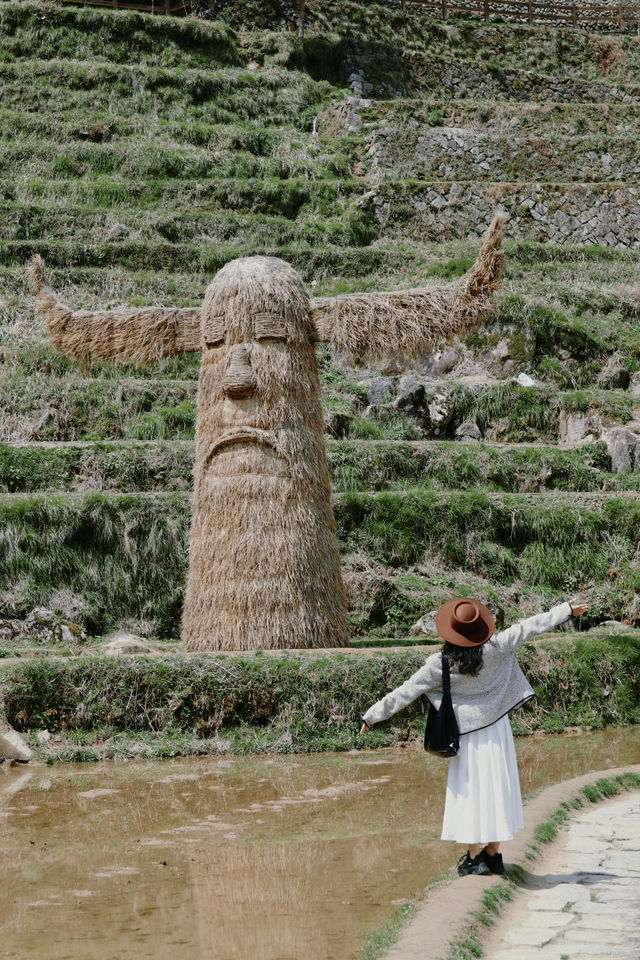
(577, 609)
(363, 728)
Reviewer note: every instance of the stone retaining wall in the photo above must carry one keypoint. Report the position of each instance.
(558, 213)
(379, 71)
(461, 78)
(448, 153)
(499, 118)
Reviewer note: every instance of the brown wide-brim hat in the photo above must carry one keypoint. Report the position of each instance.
(465, 622)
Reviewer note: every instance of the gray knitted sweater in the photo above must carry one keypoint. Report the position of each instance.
(478, 701)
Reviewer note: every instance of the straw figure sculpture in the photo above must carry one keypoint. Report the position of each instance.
(264, 569)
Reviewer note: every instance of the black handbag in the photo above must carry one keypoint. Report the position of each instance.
(441, 735)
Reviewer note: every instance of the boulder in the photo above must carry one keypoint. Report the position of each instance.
(380, 389)
(614, 625)
(623, 446)
(525, 380)
(336, 423)
(43, 626)
(121, 642)
(7, 631)
(440, 362)
(370, 593)
(380, 595)
(426, 624)
(378, 411)
(11, 605)
(614, 375)
(440, 413)
(501, 352)
(576, 428)
(12, 745)
(66, 634)
(412, 400)
(498, 430)
(408, 384)
(468, 430)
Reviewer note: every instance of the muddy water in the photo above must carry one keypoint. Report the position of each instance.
(292, 858)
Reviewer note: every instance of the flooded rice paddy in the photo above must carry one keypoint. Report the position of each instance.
(261, 858)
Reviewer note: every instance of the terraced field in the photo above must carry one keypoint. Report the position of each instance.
(140, 154)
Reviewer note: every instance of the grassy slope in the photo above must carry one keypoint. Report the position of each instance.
(356, 465)
(286, 702)
(138, 176)
(123, 556)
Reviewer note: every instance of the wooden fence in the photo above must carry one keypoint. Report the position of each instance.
(615, 17)
(601, 17)
(176, 7)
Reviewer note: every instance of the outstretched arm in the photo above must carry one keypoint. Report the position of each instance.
(516, 635)
(373, 326)
(421, 681)
(141, 334)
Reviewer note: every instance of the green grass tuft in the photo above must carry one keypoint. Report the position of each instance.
(379, 942)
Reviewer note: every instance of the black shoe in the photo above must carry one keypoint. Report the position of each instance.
(475, 865)
(492, 860)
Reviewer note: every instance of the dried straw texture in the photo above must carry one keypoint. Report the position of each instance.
(403, 323)
(144, 334)
(264, 568)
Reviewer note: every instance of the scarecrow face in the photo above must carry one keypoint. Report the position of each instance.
(259, 394)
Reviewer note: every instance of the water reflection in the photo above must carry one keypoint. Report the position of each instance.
(261, 858)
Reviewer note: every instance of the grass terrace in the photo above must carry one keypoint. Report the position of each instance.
(140, 154)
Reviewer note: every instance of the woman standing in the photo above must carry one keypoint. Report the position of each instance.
(483, 806)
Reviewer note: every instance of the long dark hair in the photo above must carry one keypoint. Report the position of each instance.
(466, 659)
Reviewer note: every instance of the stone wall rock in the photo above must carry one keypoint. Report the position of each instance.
(462, 78)
(438, 173)
(12, 745)
(468, 153)
(605, 214)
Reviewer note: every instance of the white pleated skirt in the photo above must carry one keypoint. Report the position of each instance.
(483, 802)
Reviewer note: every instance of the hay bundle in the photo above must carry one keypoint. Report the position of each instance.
(403, 323)
(264, 569)
(144, 334)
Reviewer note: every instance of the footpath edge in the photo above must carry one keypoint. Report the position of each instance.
(447, 916)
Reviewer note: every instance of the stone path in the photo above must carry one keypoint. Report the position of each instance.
(587, 905)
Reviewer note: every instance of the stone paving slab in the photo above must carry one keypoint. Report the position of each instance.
(588, 903)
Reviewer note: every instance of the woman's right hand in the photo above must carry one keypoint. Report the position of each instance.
(363, 728)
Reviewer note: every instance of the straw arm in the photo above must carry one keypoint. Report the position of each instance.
(141, 334)
(403, 323)
(485, 275)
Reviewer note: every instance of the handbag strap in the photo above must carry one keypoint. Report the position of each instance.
(446, 683)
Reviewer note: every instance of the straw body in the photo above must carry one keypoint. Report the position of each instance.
(264, 569)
